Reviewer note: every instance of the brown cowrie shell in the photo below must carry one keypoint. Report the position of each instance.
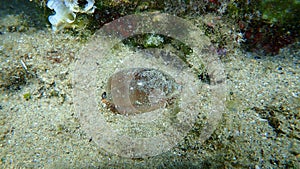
(139, 90)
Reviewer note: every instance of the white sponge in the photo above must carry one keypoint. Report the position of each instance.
(65, 12)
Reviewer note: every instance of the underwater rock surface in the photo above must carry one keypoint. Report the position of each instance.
(142, 102)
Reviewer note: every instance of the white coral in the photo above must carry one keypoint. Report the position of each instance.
(65, 12)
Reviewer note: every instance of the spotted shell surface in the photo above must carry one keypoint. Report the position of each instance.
(139, 90)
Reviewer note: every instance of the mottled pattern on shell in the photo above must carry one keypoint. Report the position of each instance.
(140, 90)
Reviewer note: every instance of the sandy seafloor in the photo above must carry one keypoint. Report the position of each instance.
(260, 128)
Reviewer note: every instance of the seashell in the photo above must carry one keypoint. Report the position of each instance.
(139, 90)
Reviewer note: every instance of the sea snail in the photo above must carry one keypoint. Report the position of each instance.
(140, 90)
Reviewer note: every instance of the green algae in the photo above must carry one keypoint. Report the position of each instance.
(280, 12)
